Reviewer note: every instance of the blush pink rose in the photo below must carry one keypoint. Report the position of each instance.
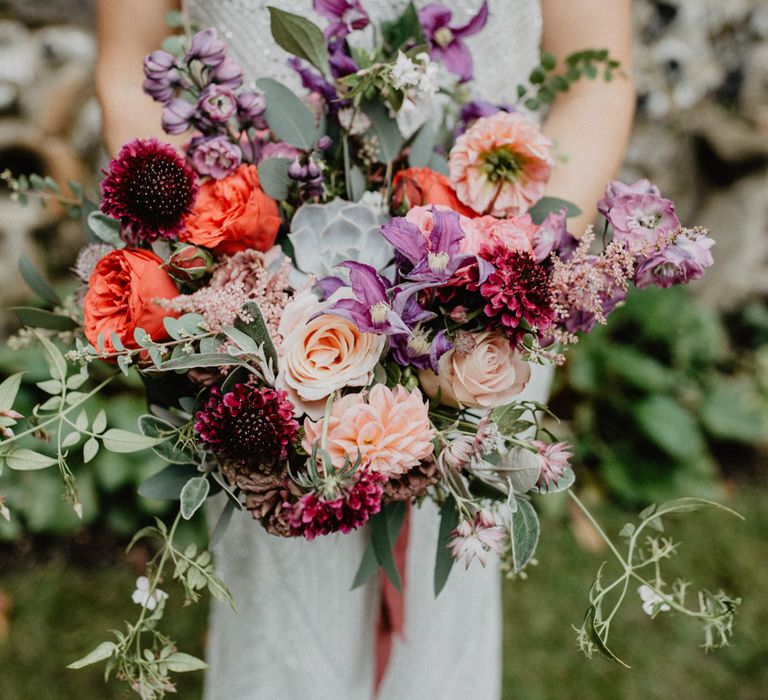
(323, 353)
(501, 164)
(516, 233)
(391, 431)
(487, 375)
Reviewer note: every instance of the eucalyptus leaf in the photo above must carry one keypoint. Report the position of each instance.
(369, 565)
(105, 228)
(300, 37)
(216, 359)
(386, 131)
(273, 177)
(168, 483)
(289, 119)
(37, 283)
(385, 528)
(423, 146)
(552, 205)
(355, 183)
(222, 523)
(524, 534)
(449, 519)
(257, 329)
(193, 495)
(521, 467)
(39, 318)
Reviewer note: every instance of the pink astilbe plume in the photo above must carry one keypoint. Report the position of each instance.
(586, 287)
(238, 279)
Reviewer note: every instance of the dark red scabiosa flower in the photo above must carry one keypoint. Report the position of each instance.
(250, 425)
(313, 515)
(517, 290)
(150, 189)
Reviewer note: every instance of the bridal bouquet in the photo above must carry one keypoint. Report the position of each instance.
(336, 301)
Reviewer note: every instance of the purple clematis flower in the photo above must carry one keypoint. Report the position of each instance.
(436, 259)
(684, 259)
(370, 309)
(345, 15)
(446, 42)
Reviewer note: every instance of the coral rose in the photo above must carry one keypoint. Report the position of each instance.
(121, 297)
(414, 187)
(322, 353)
(501, 165)
(391, 432)
(481, 371)
(516, 233)
(233, 214)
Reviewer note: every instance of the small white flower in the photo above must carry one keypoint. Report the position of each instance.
(429, 82)
(405, 73)
(142, 596)
(650, 599)
(354, 121)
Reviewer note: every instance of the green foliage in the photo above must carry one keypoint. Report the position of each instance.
(288, 117)
(300, 37)
(656, 392)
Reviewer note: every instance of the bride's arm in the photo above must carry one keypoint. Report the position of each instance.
(591, 122)
(127, 31)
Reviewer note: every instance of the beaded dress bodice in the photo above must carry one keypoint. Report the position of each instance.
(504, 52)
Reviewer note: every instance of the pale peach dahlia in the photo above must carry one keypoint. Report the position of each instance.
(391, 430)
(501, 165)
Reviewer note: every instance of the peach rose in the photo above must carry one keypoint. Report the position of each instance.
(516, 233)
(233, 214)
(322, 353)
(120, 298)
(422, 186)
(501, 164)
(391, 431)
(487, 372)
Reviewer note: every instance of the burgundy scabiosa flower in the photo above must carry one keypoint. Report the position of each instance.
(250, 425)
(517, 290)
(150, 189)
(314, 515)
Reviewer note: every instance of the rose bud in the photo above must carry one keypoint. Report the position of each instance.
(188, 262)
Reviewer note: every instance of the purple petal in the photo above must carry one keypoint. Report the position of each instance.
(367, 284)
(329, 285)
(330, 9)
(475, 24)
(446, 234)
(458, 60)
(406, 238)
(433, 17)
(440, 346)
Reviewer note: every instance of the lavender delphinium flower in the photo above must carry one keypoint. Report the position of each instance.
(345, 16)
(228, 73)
(207, 48)
(250, 109)
(178, 116)
(686, 258)
(217, 103)
(446, 42)
(215, 156)
(639, 220)
(162, 76)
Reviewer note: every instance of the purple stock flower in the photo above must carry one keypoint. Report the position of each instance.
(207, 48)
(641, 219)
(446, 42)
(345, 16)
(217, 103)
(215, 156)
(314, 82)
(250, 109)
(228, 73)
(341, 63)
(684, 259)
(162, 76)
(616, 189)
(370, 309)
(178, 116)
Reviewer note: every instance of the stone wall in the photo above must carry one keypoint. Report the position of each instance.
(702, 130)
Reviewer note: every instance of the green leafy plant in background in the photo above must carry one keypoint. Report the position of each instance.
(657, 393)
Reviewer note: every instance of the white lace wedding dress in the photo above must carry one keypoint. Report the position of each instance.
(299, 632)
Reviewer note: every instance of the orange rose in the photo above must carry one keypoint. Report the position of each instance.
(233, 214)
(121, 294)
(422, 186)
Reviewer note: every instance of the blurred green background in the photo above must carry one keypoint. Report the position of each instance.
(670, 399)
